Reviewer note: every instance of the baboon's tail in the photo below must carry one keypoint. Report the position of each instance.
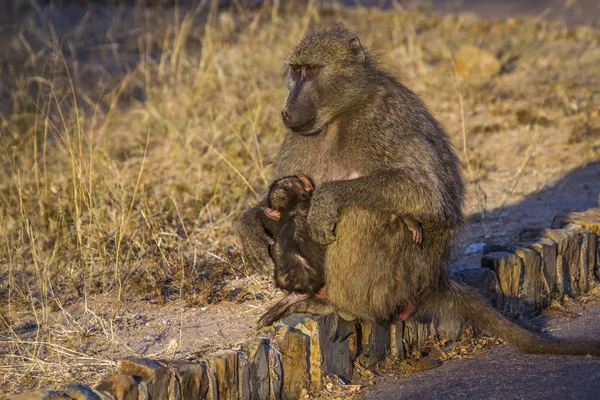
(280, 309)
(463, 302)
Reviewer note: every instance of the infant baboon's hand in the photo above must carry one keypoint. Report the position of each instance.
(255, 241)
(324, 213)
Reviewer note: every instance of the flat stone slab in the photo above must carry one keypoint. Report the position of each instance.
(155, 375)
(120, 386)
(589, 220)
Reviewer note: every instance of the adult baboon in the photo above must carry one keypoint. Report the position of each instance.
(374, 150)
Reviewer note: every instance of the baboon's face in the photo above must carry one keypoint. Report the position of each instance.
(324, 74)
(287, 193)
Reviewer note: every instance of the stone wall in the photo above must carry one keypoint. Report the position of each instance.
(519, 280)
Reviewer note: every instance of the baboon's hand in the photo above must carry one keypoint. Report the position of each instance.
(324, 213)
(255, 241)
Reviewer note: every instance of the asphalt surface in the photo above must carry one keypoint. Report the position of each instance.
(504, 373)
(572, 12)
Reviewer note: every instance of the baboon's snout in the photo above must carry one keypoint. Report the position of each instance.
(300, 122)
(299, 116)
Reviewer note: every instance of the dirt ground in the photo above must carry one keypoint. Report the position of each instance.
(528, 137)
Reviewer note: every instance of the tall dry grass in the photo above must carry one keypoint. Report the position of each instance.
(134, 136)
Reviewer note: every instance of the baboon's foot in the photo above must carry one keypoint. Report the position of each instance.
(319, 306)
(300, 303)
(408, 309)
(417, 234)
(313, 305)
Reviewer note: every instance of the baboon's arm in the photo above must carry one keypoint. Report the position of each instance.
(254, 230)
(405, 191)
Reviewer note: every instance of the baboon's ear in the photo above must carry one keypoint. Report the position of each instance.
(358, 50)
(306, 183)
(273, 214)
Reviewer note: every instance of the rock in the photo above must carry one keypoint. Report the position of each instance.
(337, 338)
(375, 341)
(397, 340)
(572, 261)
(567, 261)
(309, 325)
(592, 261)
(230, 369)
(121, 386)
(449, 328)
(295, 360)
(173, 389)
(474, 62)
(244, 376)
(497, 248)
(474, 248)
(153, 374)
(213, 390)
(548, 251)
(192, 379)
(38, 394)
(275, 375)
(415, 335)
(589, 219)
(530, 296)
(508, 269)
(583, 272)
(82, 392)
(482, 279)
(257, 352)
(332, 343)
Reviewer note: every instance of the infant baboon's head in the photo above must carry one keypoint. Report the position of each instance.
(286, 193)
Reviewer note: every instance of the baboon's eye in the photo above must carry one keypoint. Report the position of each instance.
(296, 67)
(310, 66)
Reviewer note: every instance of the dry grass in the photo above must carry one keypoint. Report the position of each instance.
(134, 137)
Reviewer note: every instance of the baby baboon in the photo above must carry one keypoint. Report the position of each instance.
(299, 260)
(374, 150)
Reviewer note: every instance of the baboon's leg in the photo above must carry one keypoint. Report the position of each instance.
(414, 227)
(280, 309)
(318, 306)
(408, 309)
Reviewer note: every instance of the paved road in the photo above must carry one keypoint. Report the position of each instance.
(504, 373)
(573, 12)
